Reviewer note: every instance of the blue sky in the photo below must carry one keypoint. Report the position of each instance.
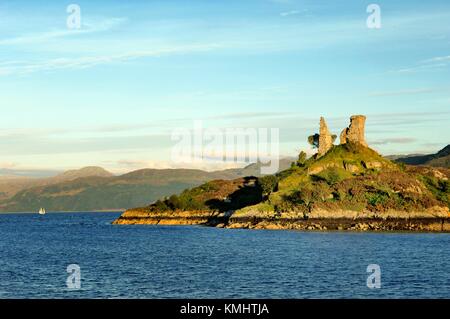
(110, 93)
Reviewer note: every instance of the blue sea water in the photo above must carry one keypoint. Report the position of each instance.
(201, 262)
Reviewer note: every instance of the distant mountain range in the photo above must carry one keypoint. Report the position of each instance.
(440, 159)
(12, 184)
(94, 188)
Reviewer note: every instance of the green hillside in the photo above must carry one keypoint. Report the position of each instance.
(350, 177)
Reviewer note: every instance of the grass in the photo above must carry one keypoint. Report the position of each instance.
(332, 176)
(439, 188)
(351, 154)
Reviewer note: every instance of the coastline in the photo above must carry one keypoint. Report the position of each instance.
(419, 222)
(68, 212)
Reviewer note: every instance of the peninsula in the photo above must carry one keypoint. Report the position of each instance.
(343, 187)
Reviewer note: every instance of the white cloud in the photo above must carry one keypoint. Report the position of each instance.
(395, 140)
(289, 13)
(250, 36)
(427, 67)
(437, 59)
(89, 27)
(403, 92)
(432, 64)
(27, 67)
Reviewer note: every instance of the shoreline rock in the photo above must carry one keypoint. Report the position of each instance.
(344, 221)
(345, 224)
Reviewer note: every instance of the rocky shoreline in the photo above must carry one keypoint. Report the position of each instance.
(416, 223)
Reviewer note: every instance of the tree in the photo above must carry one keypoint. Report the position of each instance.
(174, 202)
(268, 184)
(301, 159)
(314, 140)
(159, 206)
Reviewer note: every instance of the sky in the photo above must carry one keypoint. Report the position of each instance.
(112, 92)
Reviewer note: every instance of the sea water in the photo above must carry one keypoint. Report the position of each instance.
(117, 261)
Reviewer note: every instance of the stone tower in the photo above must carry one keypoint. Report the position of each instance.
(355, 132)
(325, 138)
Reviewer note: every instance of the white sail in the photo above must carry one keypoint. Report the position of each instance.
(42, 211)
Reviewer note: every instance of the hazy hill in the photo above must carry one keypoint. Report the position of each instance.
(83, 172)
(254, 169)
(11, 185)
(94, 188)
(440, 159)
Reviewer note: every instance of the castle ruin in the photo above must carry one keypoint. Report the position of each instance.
(354, 133)
(325, 138)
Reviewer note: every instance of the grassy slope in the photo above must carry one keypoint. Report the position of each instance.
(217, 195)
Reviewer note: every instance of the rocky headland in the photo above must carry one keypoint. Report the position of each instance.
(343, 187)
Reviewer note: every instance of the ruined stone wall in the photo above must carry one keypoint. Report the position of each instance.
(325, 138)
(355, 133)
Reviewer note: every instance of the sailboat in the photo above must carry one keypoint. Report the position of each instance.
(42, 211)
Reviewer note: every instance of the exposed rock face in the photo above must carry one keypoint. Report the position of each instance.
(434, 219)
(325, 138)
(332, 222)
(355, 132)
(343, 136)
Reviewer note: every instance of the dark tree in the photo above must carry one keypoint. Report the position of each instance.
(314, 140)
(268, 184)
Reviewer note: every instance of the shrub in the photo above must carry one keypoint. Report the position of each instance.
(321, 192)
(305, 196)
(439, 188)
(187, 202)
(333, 175)
(444, 186)
(310, 194)
(375, 199)
(302, 157)
(160, 206)
(207, 187)
(402, 166)
(174, 202)
(268, 184)
(357, 192)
